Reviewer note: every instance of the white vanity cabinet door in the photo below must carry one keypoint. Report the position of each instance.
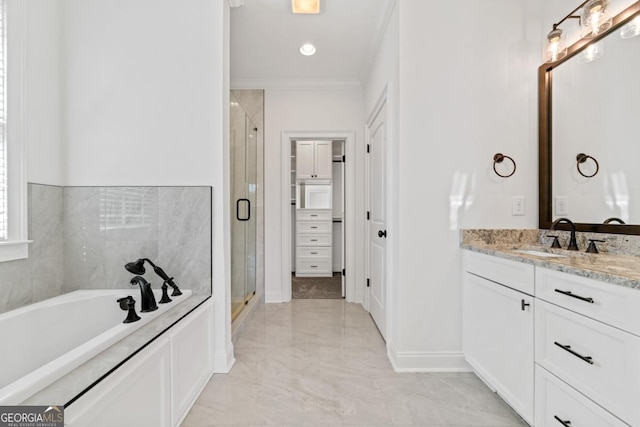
(556, 401)
(600, 361)
(323, 163)
(514, 274)
(313, 160)
(498, 340)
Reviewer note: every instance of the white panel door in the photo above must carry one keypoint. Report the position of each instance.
(304, 160)
(323, 159)
(377, 222)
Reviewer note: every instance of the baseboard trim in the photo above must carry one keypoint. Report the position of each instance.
(427, 361)
(273, 297)
(223, 362)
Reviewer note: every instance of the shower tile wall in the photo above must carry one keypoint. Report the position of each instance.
(106, 227)
(40, 276)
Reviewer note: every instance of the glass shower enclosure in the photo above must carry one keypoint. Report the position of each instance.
(244, 157)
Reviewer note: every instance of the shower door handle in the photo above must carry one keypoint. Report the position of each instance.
(238, 209)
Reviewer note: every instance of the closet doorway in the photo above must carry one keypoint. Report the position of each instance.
(317, 219)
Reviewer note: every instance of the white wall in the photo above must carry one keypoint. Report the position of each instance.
(467, 89)
(320, 110)
(42, 92)
(145, 84)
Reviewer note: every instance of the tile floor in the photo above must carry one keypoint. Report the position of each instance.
(323, 363)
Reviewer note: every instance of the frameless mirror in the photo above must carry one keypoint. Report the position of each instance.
(589, 105)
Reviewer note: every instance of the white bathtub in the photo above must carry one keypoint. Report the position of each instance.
(44, 341)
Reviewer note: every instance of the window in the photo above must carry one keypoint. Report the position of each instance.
(13, 188)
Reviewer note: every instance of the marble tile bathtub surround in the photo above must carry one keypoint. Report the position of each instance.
(40, 276)
(107, 227)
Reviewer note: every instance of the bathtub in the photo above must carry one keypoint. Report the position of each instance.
(44, 341)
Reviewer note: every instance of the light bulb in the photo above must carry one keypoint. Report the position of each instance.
(307, 49)
(555, 46)
(595, 18)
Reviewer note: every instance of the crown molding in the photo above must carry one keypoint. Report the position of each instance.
(381, 26)
(236, 3)
(295, 84)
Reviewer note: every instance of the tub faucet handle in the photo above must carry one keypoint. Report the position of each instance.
(128, 303)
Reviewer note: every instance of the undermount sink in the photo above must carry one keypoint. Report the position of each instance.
(539, 253)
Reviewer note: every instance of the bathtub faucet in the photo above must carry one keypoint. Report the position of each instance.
(148, 300)
(138, 268)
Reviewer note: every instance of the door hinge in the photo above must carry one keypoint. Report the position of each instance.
(344, 158)
(368, 148)
(344, 272)
(368, 283)
(368, 215)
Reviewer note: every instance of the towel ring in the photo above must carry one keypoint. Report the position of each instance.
(581, 158)
(499, 158)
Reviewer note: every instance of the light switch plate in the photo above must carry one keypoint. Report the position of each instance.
(518, 207)
(561, 205)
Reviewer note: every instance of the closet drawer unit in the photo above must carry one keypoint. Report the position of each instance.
(310, 215)
(313, 240)
(314, 227)
(516, 275)
(612, 304)
(556, 401)
(313, 253)
(314, 266)
(600, 361)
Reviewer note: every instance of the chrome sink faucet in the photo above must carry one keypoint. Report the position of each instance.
(573, 244)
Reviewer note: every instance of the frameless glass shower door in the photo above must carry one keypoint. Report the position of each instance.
(243, 208)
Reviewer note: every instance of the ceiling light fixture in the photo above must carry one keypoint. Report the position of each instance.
(307, 49)
(305, 6)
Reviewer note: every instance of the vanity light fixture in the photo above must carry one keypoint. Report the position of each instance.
(631, 29)
(308, 49)
(595, 18)
(305, 6)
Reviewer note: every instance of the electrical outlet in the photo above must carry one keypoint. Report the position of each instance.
(517, 207)
(561, 205)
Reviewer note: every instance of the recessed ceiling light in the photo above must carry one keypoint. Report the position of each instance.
(305, 6)
(307, 49)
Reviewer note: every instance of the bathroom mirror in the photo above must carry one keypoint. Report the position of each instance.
(588, 109)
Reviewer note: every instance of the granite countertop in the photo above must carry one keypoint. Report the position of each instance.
(614, 268)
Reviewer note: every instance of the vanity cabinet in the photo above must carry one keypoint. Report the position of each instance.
(498, 334)
(579, 338)
(313, 160)
(314, 243)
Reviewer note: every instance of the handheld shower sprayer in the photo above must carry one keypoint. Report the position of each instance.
(137, 268)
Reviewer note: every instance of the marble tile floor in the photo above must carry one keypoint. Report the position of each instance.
(323, 363)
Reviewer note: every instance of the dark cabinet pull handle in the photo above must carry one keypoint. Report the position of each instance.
(524, 304)
(569, 294)
(314, 253)
(314, 227)
(314, 240)
(382, 234)
(567, 348)
(314, 266)
(238, 209)
(564, 423)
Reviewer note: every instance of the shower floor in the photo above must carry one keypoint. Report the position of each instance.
(316, 287)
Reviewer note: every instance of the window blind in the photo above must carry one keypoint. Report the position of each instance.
(3, 133)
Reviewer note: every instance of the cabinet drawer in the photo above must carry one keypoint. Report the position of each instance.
(610, 375)
(313, 266)
(516, 275)
(554, 399)
(313, 252)
(611, 304)
(314, 227)
(313, 240)
(312, 215)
